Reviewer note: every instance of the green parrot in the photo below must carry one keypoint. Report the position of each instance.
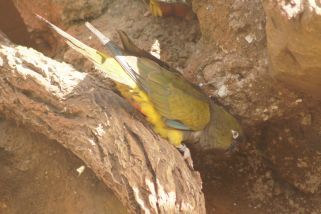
(178, 110)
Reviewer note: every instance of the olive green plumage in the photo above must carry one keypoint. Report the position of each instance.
(172, 96)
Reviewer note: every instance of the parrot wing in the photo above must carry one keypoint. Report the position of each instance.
(173, 97)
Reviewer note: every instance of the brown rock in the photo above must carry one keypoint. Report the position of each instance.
(227, 24)
(293, 35)
(14, 29)
(294, 150)
(231, 65)
(59, 11)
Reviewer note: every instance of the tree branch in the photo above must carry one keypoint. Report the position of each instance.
(77, 110)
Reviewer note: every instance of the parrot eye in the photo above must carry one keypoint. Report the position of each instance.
(235, 134)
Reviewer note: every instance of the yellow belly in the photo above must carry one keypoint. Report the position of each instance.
(140, 101)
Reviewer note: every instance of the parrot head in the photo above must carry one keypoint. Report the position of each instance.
(223, 131)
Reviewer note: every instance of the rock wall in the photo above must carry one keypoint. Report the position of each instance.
(241, 23)
(59, 11)
(15, 28)
(293, 34)
(234, 66)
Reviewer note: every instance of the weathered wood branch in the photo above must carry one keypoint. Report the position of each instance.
(78, 111)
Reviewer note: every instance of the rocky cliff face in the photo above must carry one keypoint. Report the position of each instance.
(59, 11)
(244, 53)
(293, 38)
(62, 12)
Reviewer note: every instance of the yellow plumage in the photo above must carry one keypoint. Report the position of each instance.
(180, 8)
(138, 97)
(155, 8)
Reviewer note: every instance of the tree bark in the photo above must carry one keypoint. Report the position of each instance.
(84, 115)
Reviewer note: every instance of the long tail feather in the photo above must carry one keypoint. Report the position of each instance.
(74, 43)
(103, 62)
(118, 54)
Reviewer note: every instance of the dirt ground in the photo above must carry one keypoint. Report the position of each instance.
(39, 176)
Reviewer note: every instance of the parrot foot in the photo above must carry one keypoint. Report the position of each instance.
(186, 155)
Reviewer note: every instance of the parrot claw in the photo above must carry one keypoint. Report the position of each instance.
(147, 13)
(186, 155)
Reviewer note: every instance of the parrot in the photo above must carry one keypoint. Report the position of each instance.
(178, 8)
(178, 110)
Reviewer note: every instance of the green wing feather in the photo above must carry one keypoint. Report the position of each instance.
(173, 97)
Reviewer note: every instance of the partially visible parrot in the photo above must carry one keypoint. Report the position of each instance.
(178, 8)
(178, 110)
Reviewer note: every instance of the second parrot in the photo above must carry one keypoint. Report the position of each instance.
(180, 8)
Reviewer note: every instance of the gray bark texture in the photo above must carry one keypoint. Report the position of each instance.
(83, 114)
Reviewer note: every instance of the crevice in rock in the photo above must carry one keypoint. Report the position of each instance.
(12, 24)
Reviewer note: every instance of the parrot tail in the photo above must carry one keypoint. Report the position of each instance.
(102, 61)
(118, 54)
(95, 56)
